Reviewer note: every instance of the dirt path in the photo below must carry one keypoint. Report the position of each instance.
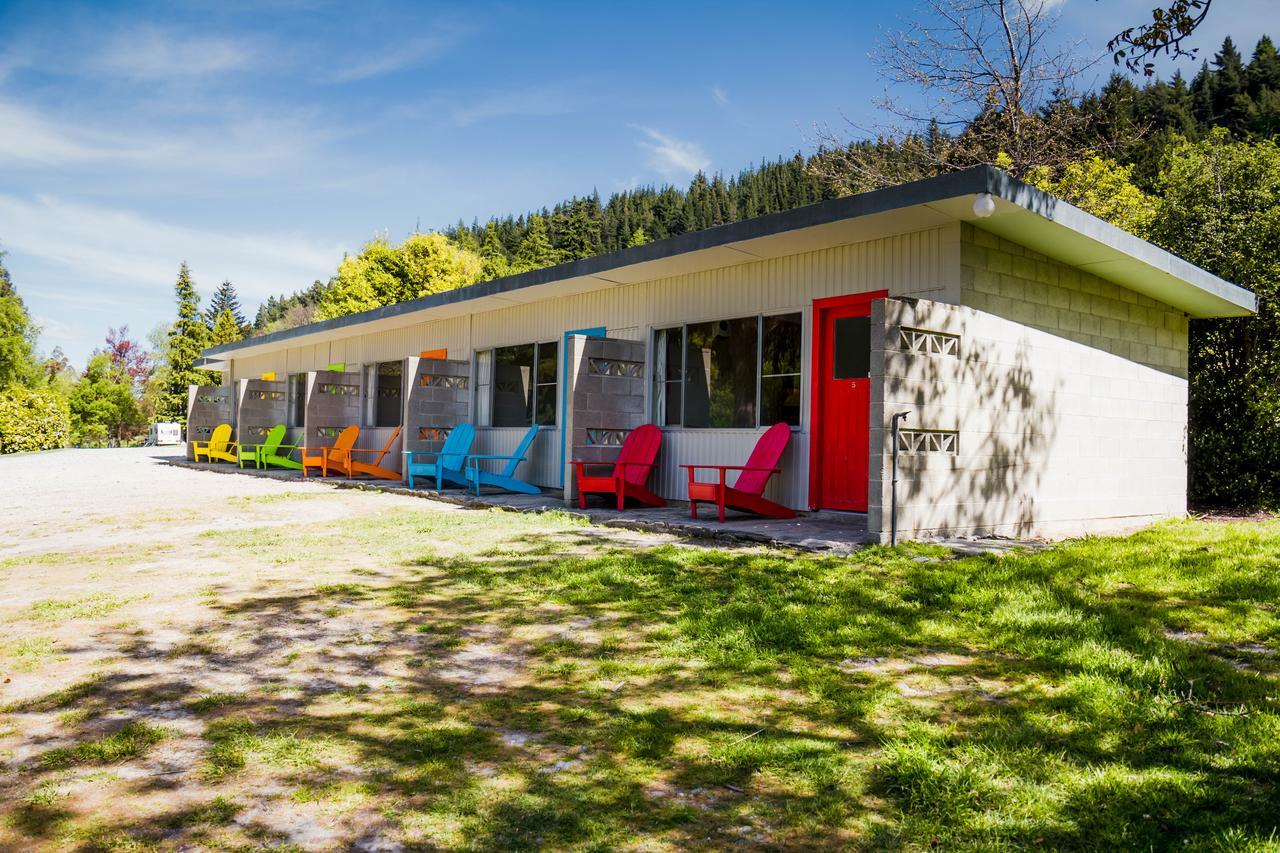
(147, 611)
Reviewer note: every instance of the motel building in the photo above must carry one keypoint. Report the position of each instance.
(1039, 355)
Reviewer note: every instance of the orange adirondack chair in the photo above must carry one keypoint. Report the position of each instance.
(746, 493)
(630, 471)
(334, 457)
(373, 469)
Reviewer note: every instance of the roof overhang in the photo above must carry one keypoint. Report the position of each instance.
(1023, 215)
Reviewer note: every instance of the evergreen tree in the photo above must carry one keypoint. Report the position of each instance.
(580, 234)
(535, 250)
(225, 298)
(494, 256)
(465, 237)
(637, 238)
(188, 337)
(225, 329)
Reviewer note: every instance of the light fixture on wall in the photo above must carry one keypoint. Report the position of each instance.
(984, 205)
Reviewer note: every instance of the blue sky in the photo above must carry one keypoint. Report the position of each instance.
(260, 141)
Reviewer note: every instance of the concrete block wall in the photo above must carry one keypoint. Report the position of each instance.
(207, 407)
(260, 405)
(608, 396)
(1021, 431)
(1018, 284)
(333, 404)
(438, 398)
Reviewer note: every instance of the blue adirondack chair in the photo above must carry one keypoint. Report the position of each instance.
(506, 478)
(447, 464)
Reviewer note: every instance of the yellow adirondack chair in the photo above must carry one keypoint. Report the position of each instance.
(219, 447)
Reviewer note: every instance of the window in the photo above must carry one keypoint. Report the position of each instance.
(668, 368)
(297, 399)
(383, 387)
(544, 394)
(720, 362)
(484, 383)
(780, 369)
(524, 385)
(852, 348)
(735, 374)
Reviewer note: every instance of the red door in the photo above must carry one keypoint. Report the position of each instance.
(841, 402)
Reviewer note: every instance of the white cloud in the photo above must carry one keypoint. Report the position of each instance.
(12, 60)
(670, 157)
(721, 96)
(29, 137)
(98, 244)
(53, 328)
(227, 145)
(150, 53)
(540, 101)
(393, 58)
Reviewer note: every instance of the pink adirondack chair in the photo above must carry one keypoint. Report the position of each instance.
(630, 471)
(747, 491)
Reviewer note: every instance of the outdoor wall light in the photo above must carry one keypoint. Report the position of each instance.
(984, 205)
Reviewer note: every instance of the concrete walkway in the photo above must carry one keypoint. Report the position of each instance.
(820, 532)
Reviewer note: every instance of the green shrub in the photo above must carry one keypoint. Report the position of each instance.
(33, 420)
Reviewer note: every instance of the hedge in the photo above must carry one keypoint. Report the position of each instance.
(33, 420)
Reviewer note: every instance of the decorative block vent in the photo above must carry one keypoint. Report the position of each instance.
(607, 437)
(433, 380)
(329, 432)
(266, 395)
(613, 367)
(201, 430)
(339, 390)
(217, 399)
(925, 342)
(259, 432)
(433, 433)
(929, 441)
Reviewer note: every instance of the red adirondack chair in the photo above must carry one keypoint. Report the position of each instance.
(746, 492)
(630, 471)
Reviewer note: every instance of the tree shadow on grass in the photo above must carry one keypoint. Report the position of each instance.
(521, 698)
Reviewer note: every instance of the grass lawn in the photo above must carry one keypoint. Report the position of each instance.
(478, 680)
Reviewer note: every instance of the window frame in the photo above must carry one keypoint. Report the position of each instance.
(760, 316)
(295, 402)
(490, 388)
(369, 381)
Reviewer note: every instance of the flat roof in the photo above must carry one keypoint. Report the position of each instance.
(1024, 215)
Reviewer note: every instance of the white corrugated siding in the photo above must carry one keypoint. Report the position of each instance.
(905, 265)
(542, 466)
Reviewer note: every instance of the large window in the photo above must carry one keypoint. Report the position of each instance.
(738, 373)
(383, 390)
(297, 399)
(524, 385)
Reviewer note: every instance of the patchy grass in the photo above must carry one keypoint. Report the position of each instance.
(59, 610)
(474, 680)
(274, 498)
(131, 740)
(28, 654)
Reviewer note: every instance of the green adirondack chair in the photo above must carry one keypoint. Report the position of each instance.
(271, 452)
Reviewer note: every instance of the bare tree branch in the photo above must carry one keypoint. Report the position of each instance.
(998, 89)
